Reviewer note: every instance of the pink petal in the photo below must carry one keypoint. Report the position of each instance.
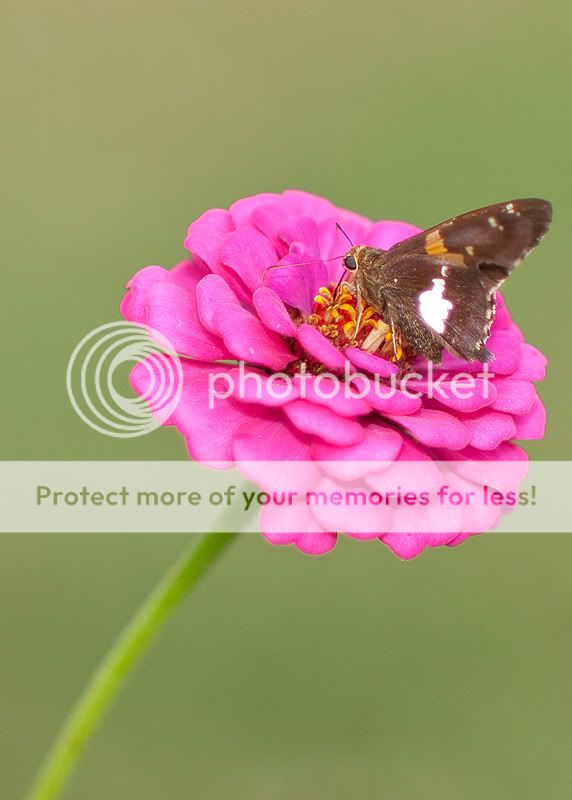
(433, 523)
(188, 273)
(389, 399)
(374, 364)
(207, 422)
(479, 514)
(320, 348)
(514, 396)
(249, 341)
(316, 544)
(156, 380)
(349, 509)
(462, 537)
(505, 452)
(273, 312)
(412, 451)
(413, 468)
(303, 232)
(305, 532)
(165, 300)
(503, 319)
(242, 211)
(327, 390)
(269, 218)
(415, 527)
(213, 294)
(460, 394)
(532, 366)
(380, 444)
(483, 517)
(303, 204)
(252, 386)
(505, 344)
(489, 429)
(405, 545)
(319, 421)
(297, 285)
(276, 456)
(386, 233)
(503, 468)
(354, 509)
(209, 432)
(207, 234)
(241, 332)
(435, 428)
(248, 253)
(206, 238)
(533, 424)
(332, 241)
(275, 537)
(132, 307)
(277, 440)
(172, 311)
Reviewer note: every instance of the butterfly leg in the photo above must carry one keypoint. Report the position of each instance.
(353, 288)
(359, 305)
(394, 340)
(350, 287)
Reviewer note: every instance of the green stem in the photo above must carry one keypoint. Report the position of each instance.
(104, 684)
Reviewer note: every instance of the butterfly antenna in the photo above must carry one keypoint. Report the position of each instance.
(341, 280)
(339, 283)
(300, 264)
(339, 227)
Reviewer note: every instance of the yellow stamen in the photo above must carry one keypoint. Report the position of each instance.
(344, 297)
(335, 315)
(350, 309)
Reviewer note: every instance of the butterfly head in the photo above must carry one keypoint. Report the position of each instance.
(352, 258)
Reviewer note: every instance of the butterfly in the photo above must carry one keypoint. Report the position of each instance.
(438, 288)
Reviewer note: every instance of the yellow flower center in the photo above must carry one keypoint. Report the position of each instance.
(337, 318)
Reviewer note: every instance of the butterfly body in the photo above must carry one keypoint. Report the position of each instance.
(438, 288)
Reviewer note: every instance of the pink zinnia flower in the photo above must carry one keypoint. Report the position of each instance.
(223, 304)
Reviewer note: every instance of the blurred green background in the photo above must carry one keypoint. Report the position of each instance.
(285, 676)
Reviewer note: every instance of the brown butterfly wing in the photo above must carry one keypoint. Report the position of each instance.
(501, 234)
(438, 303)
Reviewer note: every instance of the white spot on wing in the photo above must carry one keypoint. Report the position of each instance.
(494, 224)
(433, 306)
(510, 208)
